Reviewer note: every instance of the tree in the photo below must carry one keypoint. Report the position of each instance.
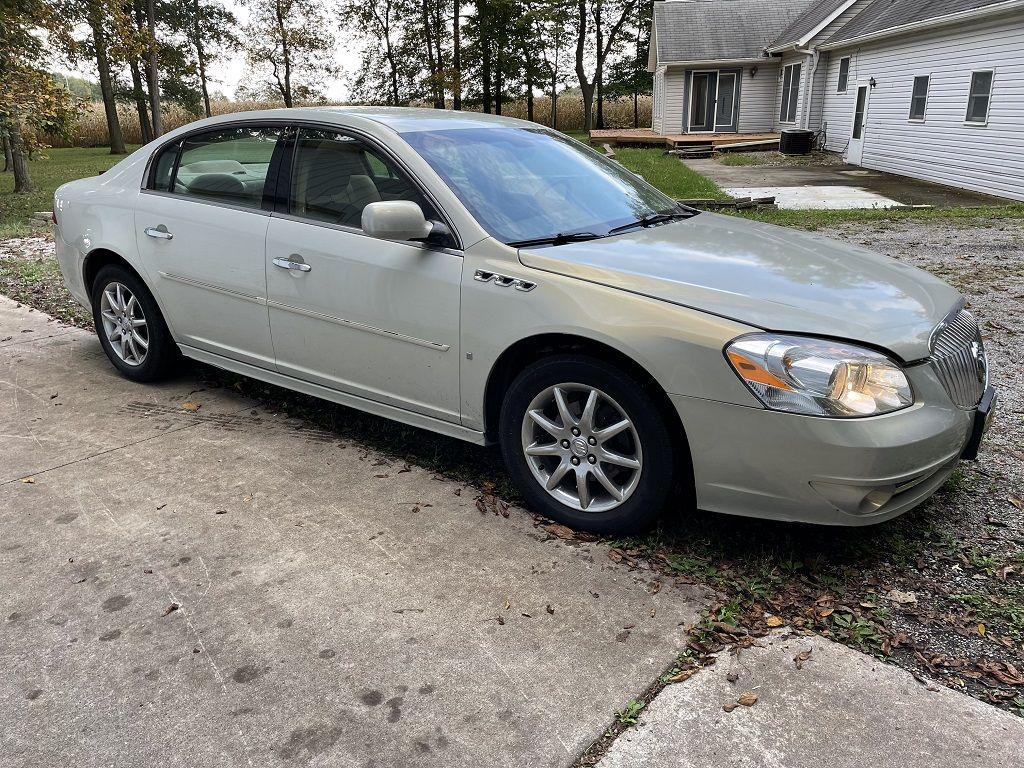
(31, 101)
(628, 76)
(376, 20)
(209, 28)
(288, 43)
(96, 17)
(606, 34)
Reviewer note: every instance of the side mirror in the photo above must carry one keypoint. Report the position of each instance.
(395, 220)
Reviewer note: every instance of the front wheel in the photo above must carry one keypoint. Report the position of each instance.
(586, 445)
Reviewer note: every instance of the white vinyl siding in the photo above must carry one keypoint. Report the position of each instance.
(944, 148)
(671, 112)
(757, 97)
(658, 107)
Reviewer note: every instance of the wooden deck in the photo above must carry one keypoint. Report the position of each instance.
(645, 136)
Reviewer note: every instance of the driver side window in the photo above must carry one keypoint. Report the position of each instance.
(335, 176)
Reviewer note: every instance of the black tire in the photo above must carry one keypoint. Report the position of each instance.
(162, 354)
(642, 507)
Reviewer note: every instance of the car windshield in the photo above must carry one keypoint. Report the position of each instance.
(525, 184)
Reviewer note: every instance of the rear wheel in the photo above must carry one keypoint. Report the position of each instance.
(131, 329)
(586, 445)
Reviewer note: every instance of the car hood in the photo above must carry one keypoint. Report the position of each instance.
(766, 276)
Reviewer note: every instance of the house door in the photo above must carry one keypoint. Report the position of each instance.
(703, 95)
(725, 111)
(855, 149)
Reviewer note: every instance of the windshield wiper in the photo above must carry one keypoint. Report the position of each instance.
(652, 219)
(560, 239)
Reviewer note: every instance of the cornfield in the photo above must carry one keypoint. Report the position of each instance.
(91, 129)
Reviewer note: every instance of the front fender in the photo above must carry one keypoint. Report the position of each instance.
(680, 348)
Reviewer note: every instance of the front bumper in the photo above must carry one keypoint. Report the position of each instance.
(782, 466)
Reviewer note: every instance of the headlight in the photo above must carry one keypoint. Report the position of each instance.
(819, 377)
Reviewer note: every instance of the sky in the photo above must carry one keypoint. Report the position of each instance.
(226, 74)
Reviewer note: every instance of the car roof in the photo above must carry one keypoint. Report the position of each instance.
(399, 119)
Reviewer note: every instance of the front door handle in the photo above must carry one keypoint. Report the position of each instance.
(283, 263)
(160, 232)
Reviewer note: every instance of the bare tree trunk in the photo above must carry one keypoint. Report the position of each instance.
(286, 90)
(529, 86)
(586, 86)
(456, 57)
(599, 74)
(432, 65)
(22, 180)
(154, 71)
(140, 103)
(485, 52)
(106, 88)
(8, 157)
(201, 58)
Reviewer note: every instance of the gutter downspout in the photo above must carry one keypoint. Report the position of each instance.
(815, 59)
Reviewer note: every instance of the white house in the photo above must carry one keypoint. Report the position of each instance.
(927, 88)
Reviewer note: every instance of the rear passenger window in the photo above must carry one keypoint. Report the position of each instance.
(228, 166)
(335, 176)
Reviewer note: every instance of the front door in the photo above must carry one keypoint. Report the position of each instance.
(725, 111)
(373, 318)
(200, 230)
(703, 95)
(855, 149)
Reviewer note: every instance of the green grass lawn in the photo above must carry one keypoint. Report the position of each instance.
(669, 174)
(58, 167)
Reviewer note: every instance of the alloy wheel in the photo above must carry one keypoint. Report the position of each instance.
(124, 323)
(582, 447)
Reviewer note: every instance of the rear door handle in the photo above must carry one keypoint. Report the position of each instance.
(283, 263)
(160, 232)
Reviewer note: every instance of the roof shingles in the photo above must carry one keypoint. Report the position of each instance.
(716, 30)
(883, 15)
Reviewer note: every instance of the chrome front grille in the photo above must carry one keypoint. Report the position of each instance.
(958, 358)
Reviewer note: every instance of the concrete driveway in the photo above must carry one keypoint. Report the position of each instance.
(224, 587)
(836, 186)
(220, 585)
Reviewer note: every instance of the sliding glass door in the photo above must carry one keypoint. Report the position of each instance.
(712, 105)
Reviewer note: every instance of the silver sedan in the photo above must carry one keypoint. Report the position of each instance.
(495, 281)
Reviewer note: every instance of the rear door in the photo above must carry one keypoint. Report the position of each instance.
(201, 229)
(373, 318)
(855, 149)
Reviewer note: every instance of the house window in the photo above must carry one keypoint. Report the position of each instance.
(844, 74)
(919, 97)
(790, 93)
(979, 96)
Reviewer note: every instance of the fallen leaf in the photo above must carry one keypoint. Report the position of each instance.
(800, 658)
(29, 480)
(1014, 499)
(981, 629)
(732, 677)
(561, 531)
(730, 706)
(171, 609)
(774, 621)
(685, 674)
(615, 555)
(748, 699)
(900, 597)
(190, 406)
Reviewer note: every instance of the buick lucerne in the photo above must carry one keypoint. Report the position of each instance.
(495, 281)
